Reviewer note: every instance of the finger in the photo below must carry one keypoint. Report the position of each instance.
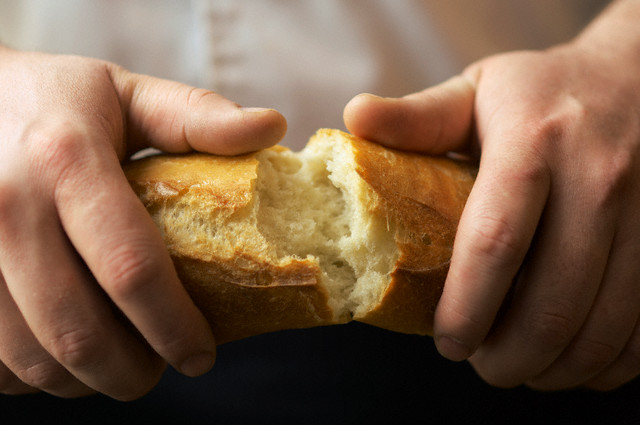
(124, 250)
(11, 385)
(25, 365)
(72, 321)
(28, 366)
(493, 237)
(624, 369)
(623, 268)
(11, 331)
(175, 117)
(555, 291)
(64, 307)
(610, 323)
(436, 120)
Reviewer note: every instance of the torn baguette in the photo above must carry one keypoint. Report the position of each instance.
(343, 230)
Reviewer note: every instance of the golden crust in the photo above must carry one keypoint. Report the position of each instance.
(241, 302)
(243, 294)
(424, 196)
(225, 182)
(246, 293)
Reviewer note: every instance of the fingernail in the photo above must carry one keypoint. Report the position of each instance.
(452, 348)
(197, 364)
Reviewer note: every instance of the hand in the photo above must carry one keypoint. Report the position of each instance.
(89, 299)
(543, 286)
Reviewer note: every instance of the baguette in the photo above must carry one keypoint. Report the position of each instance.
(343, 230)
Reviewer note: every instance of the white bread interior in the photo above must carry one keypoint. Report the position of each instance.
(306, 205)
(313, 205)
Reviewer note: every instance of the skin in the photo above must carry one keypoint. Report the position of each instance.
(543, 287)
(89, 299)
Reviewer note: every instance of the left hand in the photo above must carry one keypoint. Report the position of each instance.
(550, 233)
(89, 298)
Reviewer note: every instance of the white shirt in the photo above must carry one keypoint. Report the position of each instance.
(306, 58)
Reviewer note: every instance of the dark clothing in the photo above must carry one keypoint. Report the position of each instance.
(352, 374)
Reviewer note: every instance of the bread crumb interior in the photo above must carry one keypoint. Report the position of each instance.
(314, 205)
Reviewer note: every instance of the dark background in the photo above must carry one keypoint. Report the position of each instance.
(348, 374)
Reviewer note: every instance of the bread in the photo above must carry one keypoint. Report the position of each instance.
(343, 230)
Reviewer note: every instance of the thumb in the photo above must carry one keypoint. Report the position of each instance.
(436, 120)
(175, 117)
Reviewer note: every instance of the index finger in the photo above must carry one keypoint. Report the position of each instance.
(493, 237)
(120, 244)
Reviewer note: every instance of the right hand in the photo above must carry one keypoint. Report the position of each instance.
(543, 287)
(89, 298)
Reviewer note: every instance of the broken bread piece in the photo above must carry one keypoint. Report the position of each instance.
(343, 230)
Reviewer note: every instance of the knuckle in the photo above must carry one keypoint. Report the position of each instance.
(195, 96)
(458, 318)
(52, 144)
(496, 238)
(192, 99)
(55, 150)
(45, 374)
(559, 123)
(549, 131)
(532, 172)
(591, 356)
(181, 123)
(497, 234)
(623, 369)
(131, 269)
(551, 323)
(177, 341)
(78, 348)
